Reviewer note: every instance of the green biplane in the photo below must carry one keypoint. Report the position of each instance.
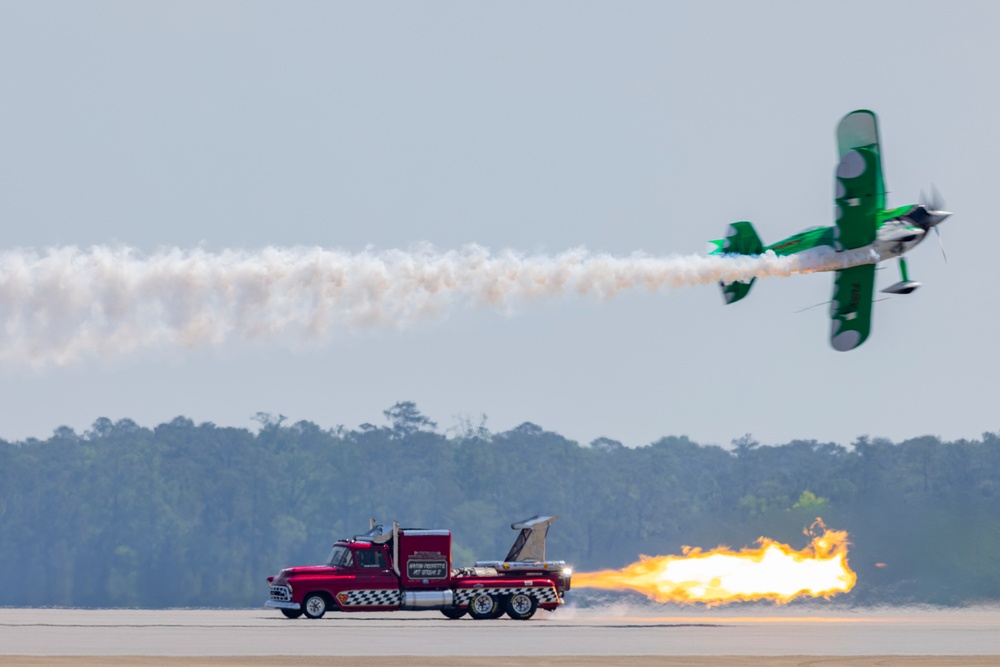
(862, 223)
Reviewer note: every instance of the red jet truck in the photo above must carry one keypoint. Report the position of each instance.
(410, 569)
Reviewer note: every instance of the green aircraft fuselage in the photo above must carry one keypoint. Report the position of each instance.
(892, 226)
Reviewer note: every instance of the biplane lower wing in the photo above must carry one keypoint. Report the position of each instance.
(851, 309)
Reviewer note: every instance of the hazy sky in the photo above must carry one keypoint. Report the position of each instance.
(537, 127)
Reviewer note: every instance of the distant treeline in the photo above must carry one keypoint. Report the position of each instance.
(199, 515)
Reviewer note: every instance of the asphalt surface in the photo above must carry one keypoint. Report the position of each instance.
(763, 631)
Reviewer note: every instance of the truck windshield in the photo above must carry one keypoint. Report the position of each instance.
(340, 557)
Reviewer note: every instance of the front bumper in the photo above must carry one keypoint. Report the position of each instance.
(276, 604)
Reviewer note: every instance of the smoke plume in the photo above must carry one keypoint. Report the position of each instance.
(64, 303)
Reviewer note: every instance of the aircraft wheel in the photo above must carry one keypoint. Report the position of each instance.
(482, 606)
(521, 606)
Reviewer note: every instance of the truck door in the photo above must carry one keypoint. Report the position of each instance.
(377, 585)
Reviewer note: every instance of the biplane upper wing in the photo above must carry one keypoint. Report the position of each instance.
(860, 196)
(860, 190)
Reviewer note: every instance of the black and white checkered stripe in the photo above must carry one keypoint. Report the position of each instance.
(541, 593)
(380, 597)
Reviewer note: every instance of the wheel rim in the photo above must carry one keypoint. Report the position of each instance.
(521, 604)
(315, 605)
(483, 604)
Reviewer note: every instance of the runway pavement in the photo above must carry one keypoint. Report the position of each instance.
(611, 633)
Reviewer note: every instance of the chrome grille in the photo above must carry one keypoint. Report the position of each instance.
(281, 593)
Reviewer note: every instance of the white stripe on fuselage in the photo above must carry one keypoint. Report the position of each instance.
(894, 238)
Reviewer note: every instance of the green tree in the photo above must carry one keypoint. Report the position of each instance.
(406, 419)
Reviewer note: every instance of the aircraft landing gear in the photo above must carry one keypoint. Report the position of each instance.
(905, 286)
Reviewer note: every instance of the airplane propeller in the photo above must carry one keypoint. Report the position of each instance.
(933, 203)
(935, 206)
(937, 232)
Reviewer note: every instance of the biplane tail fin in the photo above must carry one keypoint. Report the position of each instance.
(741, 239)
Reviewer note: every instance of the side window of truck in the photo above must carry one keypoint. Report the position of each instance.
(371, 559)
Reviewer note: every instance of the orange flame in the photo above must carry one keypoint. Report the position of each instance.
(772, 571)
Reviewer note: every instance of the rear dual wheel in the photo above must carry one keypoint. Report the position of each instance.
(521, 606)
(483, 606)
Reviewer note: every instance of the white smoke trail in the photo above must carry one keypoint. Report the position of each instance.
(65, 303)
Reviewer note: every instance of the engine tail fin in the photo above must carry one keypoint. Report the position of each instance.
(741, 239)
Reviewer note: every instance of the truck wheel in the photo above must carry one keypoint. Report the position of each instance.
(314, 605)
(291, 613)
(501, 606)
(453, 613)
(521, 606)
(482, 605)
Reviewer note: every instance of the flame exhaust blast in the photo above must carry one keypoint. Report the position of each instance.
(66, 302)
(772, 571)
